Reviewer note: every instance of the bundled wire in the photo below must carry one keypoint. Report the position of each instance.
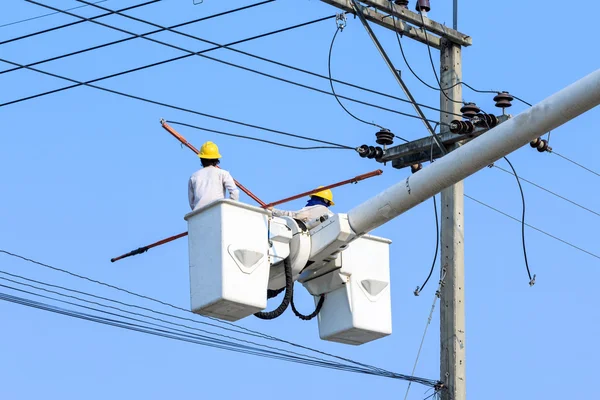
(160, 329)
(218, 323)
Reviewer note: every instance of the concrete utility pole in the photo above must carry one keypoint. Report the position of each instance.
(452, 296)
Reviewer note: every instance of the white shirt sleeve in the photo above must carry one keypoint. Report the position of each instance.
(229, 184)
(283, 213)
(191, 193)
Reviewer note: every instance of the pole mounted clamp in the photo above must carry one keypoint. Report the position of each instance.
(340, 20)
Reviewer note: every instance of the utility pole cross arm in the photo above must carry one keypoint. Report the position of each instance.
(414, 18)
(385, 21)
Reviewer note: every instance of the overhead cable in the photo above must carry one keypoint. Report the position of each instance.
(575, 163)
(167, 332)
(533, 227)
(194, 21)
(172, 29)
(76, 22)
(549, 191)
(335, 147)
(236, 328)
(46, 15)
(89, 83)
(210, 334)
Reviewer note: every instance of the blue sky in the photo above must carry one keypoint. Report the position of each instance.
(87, 175)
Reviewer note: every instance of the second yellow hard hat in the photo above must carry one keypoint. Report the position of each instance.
(325, 194)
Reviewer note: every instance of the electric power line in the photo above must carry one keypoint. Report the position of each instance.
(189, 54)
(334, 147)
(549, 191)
(575, 163)
(172, 29)
(162, 103)
(46, 15)
(170, 323)
(75, 23)
(171, 333)
(194, 21)
(236, 328)
(533, 227)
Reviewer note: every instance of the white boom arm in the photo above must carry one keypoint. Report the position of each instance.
(500, 141)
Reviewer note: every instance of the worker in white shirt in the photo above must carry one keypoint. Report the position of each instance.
(210, 183)
(314, 212)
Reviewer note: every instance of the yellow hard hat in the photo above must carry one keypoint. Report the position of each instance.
(210, 151)
(325, 194)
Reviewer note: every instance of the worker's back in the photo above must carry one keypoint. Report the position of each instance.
(210, 184)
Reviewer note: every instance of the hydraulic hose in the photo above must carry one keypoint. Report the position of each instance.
(287, 298)
(311, 315)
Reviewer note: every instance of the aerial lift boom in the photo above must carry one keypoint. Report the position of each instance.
(248, 251)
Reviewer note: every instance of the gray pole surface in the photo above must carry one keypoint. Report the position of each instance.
(452, 296)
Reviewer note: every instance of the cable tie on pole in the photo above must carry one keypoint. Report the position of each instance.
(340, 20)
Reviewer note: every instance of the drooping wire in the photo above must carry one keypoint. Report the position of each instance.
(437, 246)
(47, 15)
(337, 30)
(336, 147)
(531, 279)
(437, 233)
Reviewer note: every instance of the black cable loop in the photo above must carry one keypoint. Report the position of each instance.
(337, 30)
(531, 279)
(272, 293)
(311, 315)
(287, 298)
